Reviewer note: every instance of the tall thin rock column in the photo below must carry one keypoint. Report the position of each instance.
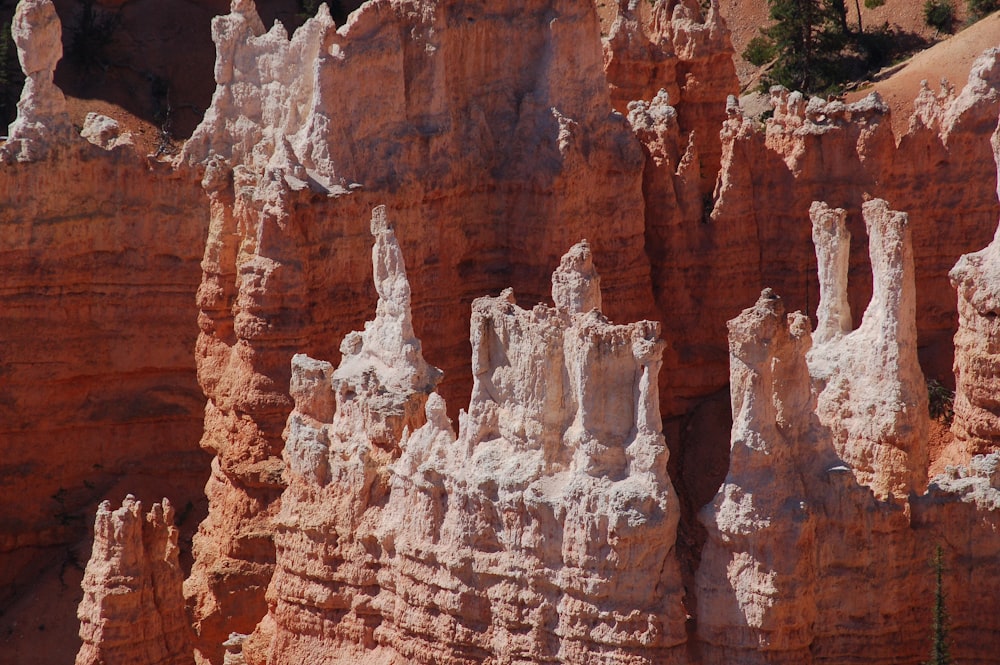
(872, 394)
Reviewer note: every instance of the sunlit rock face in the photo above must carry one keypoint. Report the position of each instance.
(819, 538)
(133, 609)
(543, 530)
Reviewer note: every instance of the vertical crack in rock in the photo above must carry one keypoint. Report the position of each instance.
(543, 530)
(133, 609)
(42, 122)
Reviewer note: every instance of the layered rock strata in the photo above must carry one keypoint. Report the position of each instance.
(543, 530)
(840, 153)
(976, 277)
(99, 253)
(133, 609)
(820, 537)
(686, 53)
(495, 147)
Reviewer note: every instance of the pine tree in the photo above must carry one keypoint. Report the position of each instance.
(808, 36)
(940, 624)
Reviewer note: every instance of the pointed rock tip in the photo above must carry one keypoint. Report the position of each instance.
(576, 286)
(380, 221)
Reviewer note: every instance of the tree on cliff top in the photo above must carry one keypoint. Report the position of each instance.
(807, 38)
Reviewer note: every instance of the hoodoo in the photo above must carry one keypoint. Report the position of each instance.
(457, 478)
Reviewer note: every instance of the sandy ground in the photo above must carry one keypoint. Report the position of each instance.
(950, 59)
(745, 18)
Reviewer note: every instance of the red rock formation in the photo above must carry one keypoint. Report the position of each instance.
(492, 159)
(543, 531)
(99, 254)
(805, 563)
(977, 414)
(679, 51)
(133, 609)
(838, 153)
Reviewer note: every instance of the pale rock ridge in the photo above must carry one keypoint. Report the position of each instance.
(945, 112)
(265, 97)
(804, 562)
(833, 242)
(756, 580)
(976, 277)
(543, 531)
(871, 391)
(489, 133)
(42, 121)
(382, 369)
(132, 609)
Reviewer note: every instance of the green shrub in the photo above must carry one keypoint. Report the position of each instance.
(940, 402)
(759, 51)
(940, 15)
(872, 4)
(980, 8)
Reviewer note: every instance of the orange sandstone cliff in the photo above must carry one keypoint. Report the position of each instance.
(99, 253)
(348, 517)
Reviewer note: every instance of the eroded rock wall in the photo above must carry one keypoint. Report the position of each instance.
(99, 254)
(133, 609)
(543, 530)
(489, 135)
(844, 153)
(977, 414)
(820, 538)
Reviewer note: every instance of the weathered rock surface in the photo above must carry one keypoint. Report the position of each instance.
(976, 276)
(820, 537)
(492, 159)
(543, 531)
(830, 151)
(99, 256)
(42, 121)
(872, 396)
(491, 135)
(683, 52)
(133, 609)
(98, 260)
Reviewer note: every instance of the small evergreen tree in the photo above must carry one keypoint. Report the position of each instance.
(808, 38)
(940, 624)
(940, 15)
